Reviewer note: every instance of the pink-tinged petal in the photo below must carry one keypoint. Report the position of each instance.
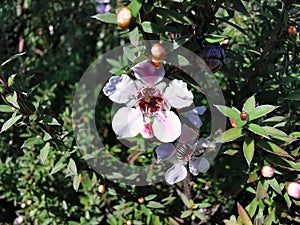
(199, 165)
(147, 132)
(120, 89)
(127, 122)
(188, 135)
(178, 95)
(165, 151)
(166, 126)
(148, 73)
(176, 173)
(293, 189)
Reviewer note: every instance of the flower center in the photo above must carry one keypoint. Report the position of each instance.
(150, 100)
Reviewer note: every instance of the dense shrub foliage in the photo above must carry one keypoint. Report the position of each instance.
(45, 47)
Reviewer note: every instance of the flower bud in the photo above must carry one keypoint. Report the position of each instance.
(293, 189)
(267, 171)
(141, 200)
(124, 17)
(158, 51)
(292, 30)
(101, 188)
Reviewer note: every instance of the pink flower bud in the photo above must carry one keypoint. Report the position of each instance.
(293, 189)
(267, 171)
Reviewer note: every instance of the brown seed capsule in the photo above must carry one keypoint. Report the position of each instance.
(129, 222)
(155, 62)
(141, 200)
(267, 171)
(101, 188)
(158, 51)
(292, 30)
(124, 17)
(244, 116)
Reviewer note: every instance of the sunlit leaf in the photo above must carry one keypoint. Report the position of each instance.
(249, 105)
(248, 149)
(243, 215)
(272, 148)
(44, 153)
(135, 7)
(258, 130)
(261, 111)
(10, 122)
(230, 135)
(107, 18)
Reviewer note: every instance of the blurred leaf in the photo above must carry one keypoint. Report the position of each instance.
(274, 184)
(199, 215)
(185, 200)
(173, 16)
(248, 149)
(11, 80)
(72, 167)
(129, 54)
(5, 108)
(268, 220)
(44, 153)
(258, 130)
(249, 105)
(76, 182)
(287, 200)
(228, 222)
(135, 7)
(213, 38)
(295, 134)
(230, 135)
(231, 152)
(134, 36)
(49, 121)
(149, 27)
(156, 205)
(239, 6)
(294, 96)
(12, 58)
(10, 122)
(243, 215)
(13, 99)
(251, 208)
(186, 213)
(107, 18)
(261, 191)
(32, 141)
(150, 197)
(58, 166)
(261, 111)
(273, 148)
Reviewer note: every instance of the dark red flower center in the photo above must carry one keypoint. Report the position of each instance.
(150, 100)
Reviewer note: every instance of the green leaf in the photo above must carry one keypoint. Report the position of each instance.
(10, 122)
(134, 36)
(129, 54)
(155, 205)
(58, 166)
(261, 191)
(295, 134)
(228, 222)
(243, 215)
(12, 58)
(274, 119)
(107, 18)
(76, 182)
(44, 153)
(261, 111)
(274, 184)
(185, 200)
(230, 135)
(287, 200)
(268, 220)
(72, 167)
(32, 141)
(251, 208)
(186, 213)
(173, 16)
(272, 148)
(13, 99)
(248, 148)
(294, 96)
(249, 105)
(278, 134)
(11, 80)
(258, 130)
(199, 215)
(149, 27)
(213, 38)
(5, 108)
(150, 197)
(227, 111)
(135, 7)
(49, 121)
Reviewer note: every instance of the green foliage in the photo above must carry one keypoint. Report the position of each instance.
(45, 47)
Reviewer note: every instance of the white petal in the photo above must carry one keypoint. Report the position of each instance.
(188, 135)
(176, 173)
(127, 122)
(199, 110)
(120, 89)
(178, 95)
(148, 73)
(199, 165)
(166, 126)
(165, 151)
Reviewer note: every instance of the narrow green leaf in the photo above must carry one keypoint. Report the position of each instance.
(12, 58)
(243, 215)
(5, 108)
(186, 213)
(49, 121)
(295, 134)
(150, 197)
(155, 205)
(268, 220)
(251, 208)
(249, 105)
(76, 182)
(258, 130)
(278, 134)
(287, 200)
(230, 135)
(274, 184)
(32, 141)
(261, 111)
(214, 38)
(261, 191)
(134, 36)
(11, 80)
(107, 18)
(272, 148)
(129, 54)
(185, 200)
(10, 122)
(227, 111)
(228, 222)
(13, 99)
(72, 167)
(199, 215)
(58, 166)
(274, 119)
(44, 153)
(149, 27)
(135, 7)
(248, 148)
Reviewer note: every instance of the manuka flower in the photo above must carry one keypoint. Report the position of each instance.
(187, 152)
(147, 103)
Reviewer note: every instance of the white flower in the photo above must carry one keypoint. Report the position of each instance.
(147, 101)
